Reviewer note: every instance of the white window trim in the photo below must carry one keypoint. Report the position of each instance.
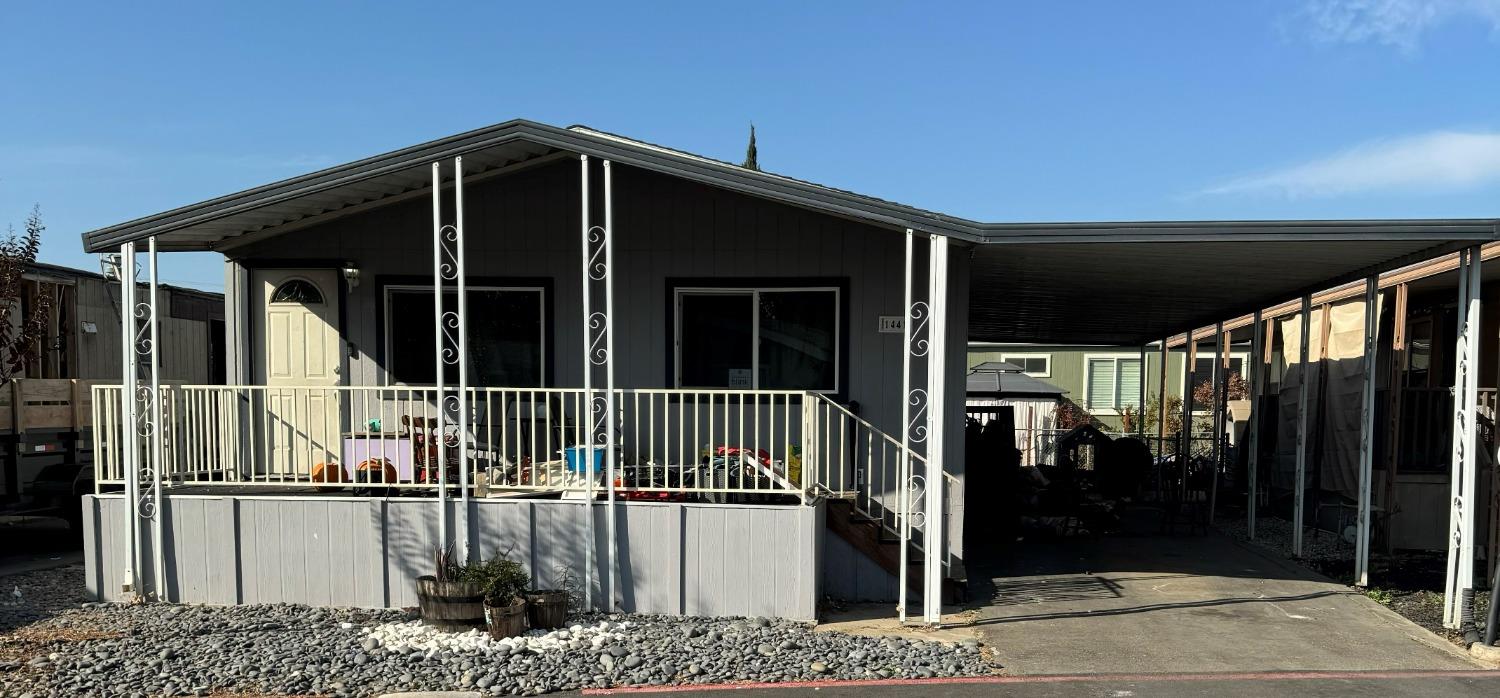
(1047, 373)
(754, 291)
(1087, 396)
(1243, 356)
(427, 289)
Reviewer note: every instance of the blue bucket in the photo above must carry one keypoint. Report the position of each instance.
(574, 456)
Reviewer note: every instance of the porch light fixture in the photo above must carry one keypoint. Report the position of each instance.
(351, 274)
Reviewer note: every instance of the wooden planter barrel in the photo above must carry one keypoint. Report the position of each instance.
(506, 621)
(547, 609)
(450, 605)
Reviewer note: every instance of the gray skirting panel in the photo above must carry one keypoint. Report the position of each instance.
(682, 559)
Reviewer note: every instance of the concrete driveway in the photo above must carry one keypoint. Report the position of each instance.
(1158, 604)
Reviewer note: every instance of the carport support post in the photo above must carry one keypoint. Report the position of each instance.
(1140, 412)
(1459, 589)
(1185, 451)
(463, 357)
(933, 519)
(1299, 491)
(438, 358)
(1216, 418)
(1161, 416)
(129, 408)
(155, 461)
(1367, 435)
(1252, 436)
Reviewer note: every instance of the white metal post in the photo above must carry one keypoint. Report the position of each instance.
(1463, 520)
(439, 445)
(1189, 381)
(1140, 411)
(1302, 387)
(586, 416)
(1252, 440)
(462, 355)
(1470, 491)
(1367, 434)
(609, 378)
(904, 472)
(1161, 416)
(129, 417)
(155, 434)
(932, 589)
(1456, 536)
(1216, 417)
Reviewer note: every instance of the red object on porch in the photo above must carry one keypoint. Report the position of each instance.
(759, 454)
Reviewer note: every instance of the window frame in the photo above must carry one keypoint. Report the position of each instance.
(543, 286)
(677, 288)
(1047, 373)
(1088, 360)
(1243, 356)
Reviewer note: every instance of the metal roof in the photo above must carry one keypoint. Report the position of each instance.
(204, 225)
(1130, 293)
(1000, 379)
(209, 224)
(1087, 283)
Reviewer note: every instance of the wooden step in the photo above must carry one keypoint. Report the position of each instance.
(865, 534)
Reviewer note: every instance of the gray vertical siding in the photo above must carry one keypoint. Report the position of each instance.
(525, 225)
(184, 343)
(680, 559)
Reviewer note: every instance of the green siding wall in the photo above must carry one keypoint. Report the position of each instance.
(1068, 372)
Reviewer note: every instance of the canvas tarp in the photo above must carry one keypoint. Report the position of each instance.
(1335, 382)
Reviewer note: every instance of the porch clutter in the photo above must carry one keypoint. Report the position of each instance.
(283, 649)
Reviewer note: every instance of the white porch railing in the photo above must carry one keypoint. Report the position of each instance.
(853, 458)
(672, 442)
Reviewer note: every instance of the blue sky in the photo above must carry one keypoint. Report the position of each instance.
(994, 111)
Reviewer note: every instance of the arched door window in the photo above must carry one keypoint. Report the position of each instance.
(297, 291)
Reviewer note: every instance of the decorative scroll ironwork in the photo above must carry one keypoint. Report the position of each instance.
(599, 418)
(145, 423)
(598, 268)
(918, 316)
(916, 487)
(448, 242)
(916, 427)
(598, 328)
(450, 337)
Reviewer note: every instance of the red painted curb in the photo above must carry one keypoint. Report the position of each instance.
(1048, 678)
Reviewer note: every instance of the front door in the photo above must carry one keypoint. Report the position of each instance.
(299, 364)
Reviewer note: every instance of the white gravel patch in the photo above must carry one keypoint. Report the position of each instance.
(415, 636)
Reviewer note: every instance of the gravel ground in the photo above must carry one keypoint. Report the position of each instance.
(1320, 551)
(53, 645)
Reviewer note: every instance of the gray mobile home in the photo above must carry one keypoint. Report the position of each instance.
(704, 388)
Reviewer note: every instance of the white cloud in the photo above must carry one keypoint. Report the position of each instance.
(1398, 23)
(1436, 162)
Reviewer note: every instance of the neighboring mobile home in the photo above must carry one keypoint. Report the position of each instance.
(46, 416)
(768, 373)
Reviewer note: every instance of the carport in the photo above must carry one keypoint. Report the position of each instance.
(1154, 286)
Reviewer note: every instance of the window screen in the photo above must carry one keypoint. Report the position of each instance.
(766, 339)
(506, 337)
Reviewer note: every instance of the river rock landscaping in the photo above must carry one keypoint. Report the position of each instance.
(53, 644)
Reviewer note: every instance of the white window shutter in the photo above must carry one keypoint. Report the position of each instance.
(1101, 382)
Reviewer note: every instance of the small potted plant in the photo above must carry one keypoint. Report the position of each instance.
(452, 598)
(548, 608)
(504, 597)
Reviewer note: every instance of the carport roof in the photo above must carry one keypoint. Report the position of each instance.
(1047, 282)
(1133, 283)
